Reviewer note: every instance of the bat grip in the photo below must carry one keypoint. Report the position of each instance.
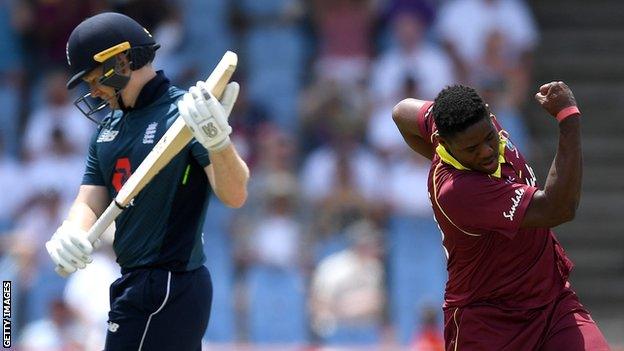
(106, 219)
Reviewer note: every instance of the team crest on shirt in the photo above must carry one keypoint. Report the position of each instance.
(510, 179)
(150, 133)
(107, 135)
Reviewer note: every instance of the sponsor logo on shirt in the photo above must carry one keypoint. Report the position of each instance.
(123, 171)
(113, 327)
(107, 135)
(515, 201)
(150, 133)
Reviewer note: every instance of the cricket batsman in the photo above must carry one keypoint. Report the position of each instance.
(507, 285)
(162, 300)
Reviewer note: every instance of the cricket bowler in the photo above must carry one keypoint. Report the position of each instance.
(507, 285)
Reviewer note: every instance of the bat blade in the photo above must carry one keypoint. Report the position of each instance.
(171, 143)
(176, 137)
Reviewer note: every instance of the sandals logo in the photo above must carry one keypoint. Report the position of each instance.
(515, 201)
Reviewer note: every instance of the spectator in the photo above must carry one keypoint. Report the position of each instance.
(325, 106)
(170, 32)
(275, 281)
(45, 26)
(60, 169)
(345, 31)
(416, 261)
(381, 131)
(34, 220)
(34, 223)
(347, 297)
(411, 57)
(276, 237)
(59, 331)
(464, 27)
(407, 171)
(206, 35)
(343, 151)
(57, 117)
(339, 185)
(429, 337)
(275, 152)
(503, 85)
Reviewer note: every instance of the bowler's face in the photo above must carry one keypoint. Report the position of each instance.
(475, 147)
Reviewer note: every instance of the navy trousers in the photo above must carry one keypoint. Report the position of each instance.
(154, 309)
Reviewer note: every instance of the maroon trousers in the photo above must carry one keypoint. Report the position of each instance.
(564, 324)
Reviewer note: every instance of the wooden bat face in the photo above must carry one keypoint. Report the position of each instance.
(176, 137)
(171, 143)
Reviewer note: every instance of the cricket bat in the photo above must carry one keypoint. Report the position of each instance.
(171, 143)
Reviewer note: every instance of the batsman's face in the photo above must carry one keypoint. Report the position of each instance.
(100, 91)
(476, 147)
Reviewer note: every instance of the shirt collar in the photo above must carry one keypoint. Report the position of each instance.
(151, 91)
(447, 158)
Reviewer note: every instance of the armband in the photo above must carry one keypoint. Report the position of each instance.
(567, 112)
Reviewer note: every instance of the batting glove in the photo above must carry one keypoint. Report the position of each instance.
(69, 248)
(207, 117)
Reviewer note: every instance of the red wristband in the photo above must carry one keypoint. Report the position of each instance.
(567, 112)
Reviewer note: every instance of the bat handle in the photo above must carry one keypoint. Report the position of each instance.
(105, 220)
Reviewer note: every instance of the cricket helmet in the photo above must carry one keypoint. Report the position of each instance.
(98, 39)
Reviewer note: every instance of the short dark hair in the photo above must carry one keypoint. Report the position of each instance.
(140, 56)
(456, 108)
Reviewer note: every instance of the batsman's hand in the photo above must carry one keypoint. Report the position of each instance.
(554, 97)
(207, 117)
(69, 248)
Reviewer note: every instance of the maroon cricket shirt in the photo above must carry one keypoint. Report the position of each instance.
(491, 261)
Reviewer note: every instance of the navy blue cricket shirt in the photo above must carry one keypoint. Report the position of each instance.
(163, 226)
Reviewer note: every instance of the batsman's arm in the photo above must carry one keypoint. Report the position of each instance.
(557, 203)
(228, 175)
(404, 115)
(89, 204)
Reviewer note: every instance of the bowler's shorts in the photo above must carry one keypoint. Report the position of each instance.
(563, 324)
(154, 309)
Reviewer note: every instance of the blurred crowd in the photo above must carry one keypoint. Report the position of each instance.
(336, 244)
